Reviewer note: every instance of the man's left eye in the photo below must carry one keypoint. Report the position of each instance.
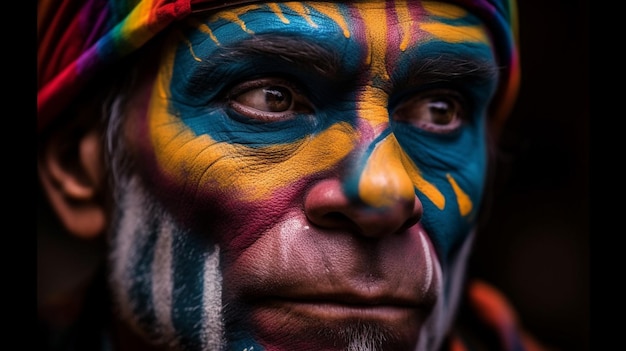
(269, 99)
(438, 111)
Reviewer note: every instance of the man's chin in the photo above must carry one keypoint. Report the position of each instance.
(343, 336)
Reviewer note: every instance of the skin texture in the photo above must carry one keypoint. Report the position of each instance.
(305, 176)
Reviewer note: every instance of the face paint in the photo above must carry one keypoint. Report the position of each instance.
(170, 298)
(199, 132)
(388, 100)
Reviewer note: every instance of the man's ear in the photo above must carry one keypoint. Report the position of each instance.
(71, 170)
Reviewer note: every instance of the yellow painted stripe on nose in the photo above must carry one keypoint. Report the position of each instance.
(463, 200)
(372, 108)
(390, 174)
(384, 179)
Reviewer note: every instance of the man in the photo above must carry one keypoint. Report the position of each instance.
(276, 176)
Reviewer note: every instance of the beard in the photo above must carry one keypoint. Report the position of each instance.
(364, 337)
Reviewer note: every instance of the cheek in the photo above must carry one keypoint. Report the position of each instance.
(199, 167)
(231, 191)
(161, 273)
(449, 176)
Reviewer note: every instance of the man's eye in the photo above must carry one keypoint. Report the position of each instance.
(439, 112)
(268, 100)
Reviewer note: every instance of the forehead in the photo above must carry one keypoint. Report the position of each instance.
(400, 23)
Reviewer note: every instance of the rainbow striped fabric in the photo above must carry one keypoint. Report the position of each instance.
(76, 39)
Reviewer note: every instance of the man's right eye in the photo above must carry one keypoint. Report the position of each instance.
(269, 99)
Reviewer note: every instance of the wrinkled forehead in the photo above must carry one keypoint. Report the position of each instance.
(389, 39)
(316, 16)
(208, 6)
(382, 29)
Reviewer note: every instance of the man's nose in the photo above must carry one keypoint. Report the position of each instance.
(382, 201)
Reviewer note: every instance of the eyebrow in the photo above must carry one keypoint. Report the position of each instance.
(306, 55)
(297, 52)
(447, 67)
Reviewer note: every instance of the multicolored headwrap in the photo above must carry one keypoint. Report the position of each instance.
(76, 39)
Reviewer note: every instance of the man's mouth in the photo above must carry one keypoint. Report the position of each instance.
(336, 307)
(334, 321)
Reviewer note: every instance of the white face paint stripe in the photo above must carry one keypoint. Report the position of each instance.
(162, 280)
(442, 316)
(429, 262)
(124, 241)
(130, 241)
(212, 300)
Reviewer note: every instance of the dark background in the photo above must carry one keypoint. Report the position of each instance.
(536, 246)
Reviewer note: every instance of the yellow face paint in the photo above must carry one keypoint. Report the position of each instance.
(463, 200)
(405, 23)
(375, 37)
(233, 16)
(451, 33)
(332, 11)
(194, 159)
(428, 189)
(384, 180)
(303, 11)
(278, 12)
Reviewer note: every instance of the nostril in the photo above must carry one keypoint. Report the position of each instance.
(336, 217)
(327, 206)
(383, 221)
(335, 220)
(413, 220)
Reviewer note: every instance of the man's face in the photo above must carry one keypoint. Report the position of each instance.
(308, 177)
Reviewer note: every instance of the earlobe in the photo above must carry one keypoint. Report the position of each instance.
(71, 174)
